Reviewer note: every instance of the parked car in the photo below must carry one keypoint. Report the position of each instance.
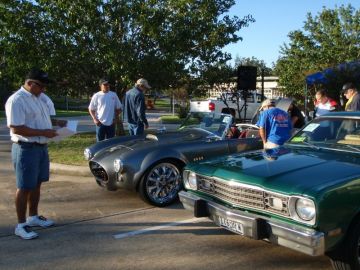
(152, 164)
(304, 196)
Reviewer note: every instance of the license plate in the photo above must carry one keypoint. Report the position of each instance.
(231, 225)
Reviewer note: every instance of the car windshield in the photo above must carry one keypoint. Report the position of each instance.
(215, 123)
(338, 133)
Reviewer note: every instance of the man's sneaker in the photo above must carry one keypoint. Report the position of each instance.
(39, 221)
(25, 232)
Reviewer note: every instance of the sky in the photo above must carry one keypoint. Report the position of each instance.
(275, 19)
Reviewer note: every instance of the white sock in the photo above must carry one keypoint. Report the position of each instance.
(20, 225)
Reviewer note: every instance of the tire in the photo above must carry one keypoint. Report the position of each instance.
(161, 183)
(347, 256)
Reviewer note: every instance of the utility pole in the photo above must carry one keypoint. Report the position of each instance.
(262, 85)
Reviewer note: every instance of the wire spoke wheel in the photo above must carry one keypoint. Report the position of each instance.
(161, 184)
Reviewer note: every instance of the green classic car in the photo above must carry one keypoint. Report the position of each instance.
(304, 195)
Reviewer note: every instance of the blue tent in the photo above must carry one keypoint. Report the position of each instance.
(321, 76)
(315, 78)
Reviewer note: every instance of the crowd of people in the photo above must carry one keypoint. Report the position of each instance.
(275, 125)
(29, 111)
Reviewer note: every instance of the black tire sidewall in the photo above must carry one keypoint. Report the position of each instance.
(346, 255)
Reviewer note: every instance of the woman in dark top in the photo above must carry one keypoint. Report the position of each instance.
(297, 118)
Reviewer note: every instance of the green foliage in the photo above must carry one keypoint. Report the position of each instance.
(328, 39)
(253, 61)
(219, 74)
(80, 41)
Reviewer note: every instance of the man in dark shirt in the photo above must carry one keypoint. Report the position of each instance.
(134, 108)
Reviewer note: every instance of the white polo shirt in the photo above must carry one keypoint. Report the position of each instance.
(25, 109)
(104, 105)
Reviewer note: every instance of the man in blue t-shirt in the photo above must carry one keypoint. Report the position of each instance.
(275, 125)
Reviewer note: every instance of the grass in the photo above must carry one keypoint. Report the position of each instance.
(162, 104)
(65, 113)
(171, 119)
(59, 113)
(174, 119)
(70, 151)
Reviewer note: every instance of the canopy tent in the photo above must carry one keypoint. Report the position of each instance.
(316, 78)
(322, 77)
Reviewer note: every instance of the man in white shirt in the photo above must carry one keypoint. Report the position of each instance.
(28, 113)
(104, 109)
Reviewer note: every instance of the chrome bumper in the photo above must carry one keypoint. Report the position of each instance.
(295, 237)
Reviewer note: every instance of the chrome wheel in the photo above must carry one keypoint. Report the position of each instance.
(162, 184)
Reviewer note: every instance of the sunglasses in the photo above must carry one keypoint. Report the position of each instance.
(38, 84)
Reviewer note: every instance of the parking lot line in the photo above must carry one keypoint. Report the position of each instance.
(155, 228)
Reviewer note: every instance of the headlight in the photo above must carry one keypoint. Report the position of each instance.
(305, 209)
(87, 154)
(118, 165)
(302, 209)
(190, 180)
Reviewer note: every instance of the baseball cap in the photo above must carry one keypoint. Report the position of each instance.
(38, 75)
(348, 86)
(103, 81)
(143, 82)
(267, 102)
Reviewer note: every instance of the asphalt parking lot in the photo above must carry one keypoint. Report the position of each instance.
(97, 229)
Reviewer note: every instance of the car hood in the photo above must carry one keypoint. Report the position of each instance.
(130, 143)
(293, 171)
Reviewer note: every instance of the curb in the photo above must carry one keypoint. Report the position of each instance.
(57, 168)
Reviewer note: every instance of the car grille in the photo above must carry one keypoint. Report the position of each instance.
(242, 195)
(99, 172)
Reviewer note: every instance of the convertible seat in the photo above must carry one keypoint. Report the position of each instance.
(249, 133)
(350, 139)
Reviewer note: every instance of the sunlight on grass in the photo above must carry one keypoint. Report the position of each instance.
(70, 151)
(174, 119)
(171, 119)
(65, 113)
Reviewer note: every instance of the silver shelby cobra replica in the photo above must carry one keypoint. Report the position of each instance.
(152, 164)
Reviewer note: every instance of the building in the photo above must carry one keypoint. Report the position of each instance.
(271, 88)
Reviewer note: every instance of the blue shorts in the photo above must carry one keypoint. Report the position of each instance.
(31, 164)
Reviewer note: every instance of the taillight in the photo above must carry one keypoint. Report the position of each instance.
(211, 106)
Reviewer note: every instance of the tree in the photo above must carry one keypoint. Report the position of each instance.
(220, 76)
(79, 41)
(253, 61)
(328, 39)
